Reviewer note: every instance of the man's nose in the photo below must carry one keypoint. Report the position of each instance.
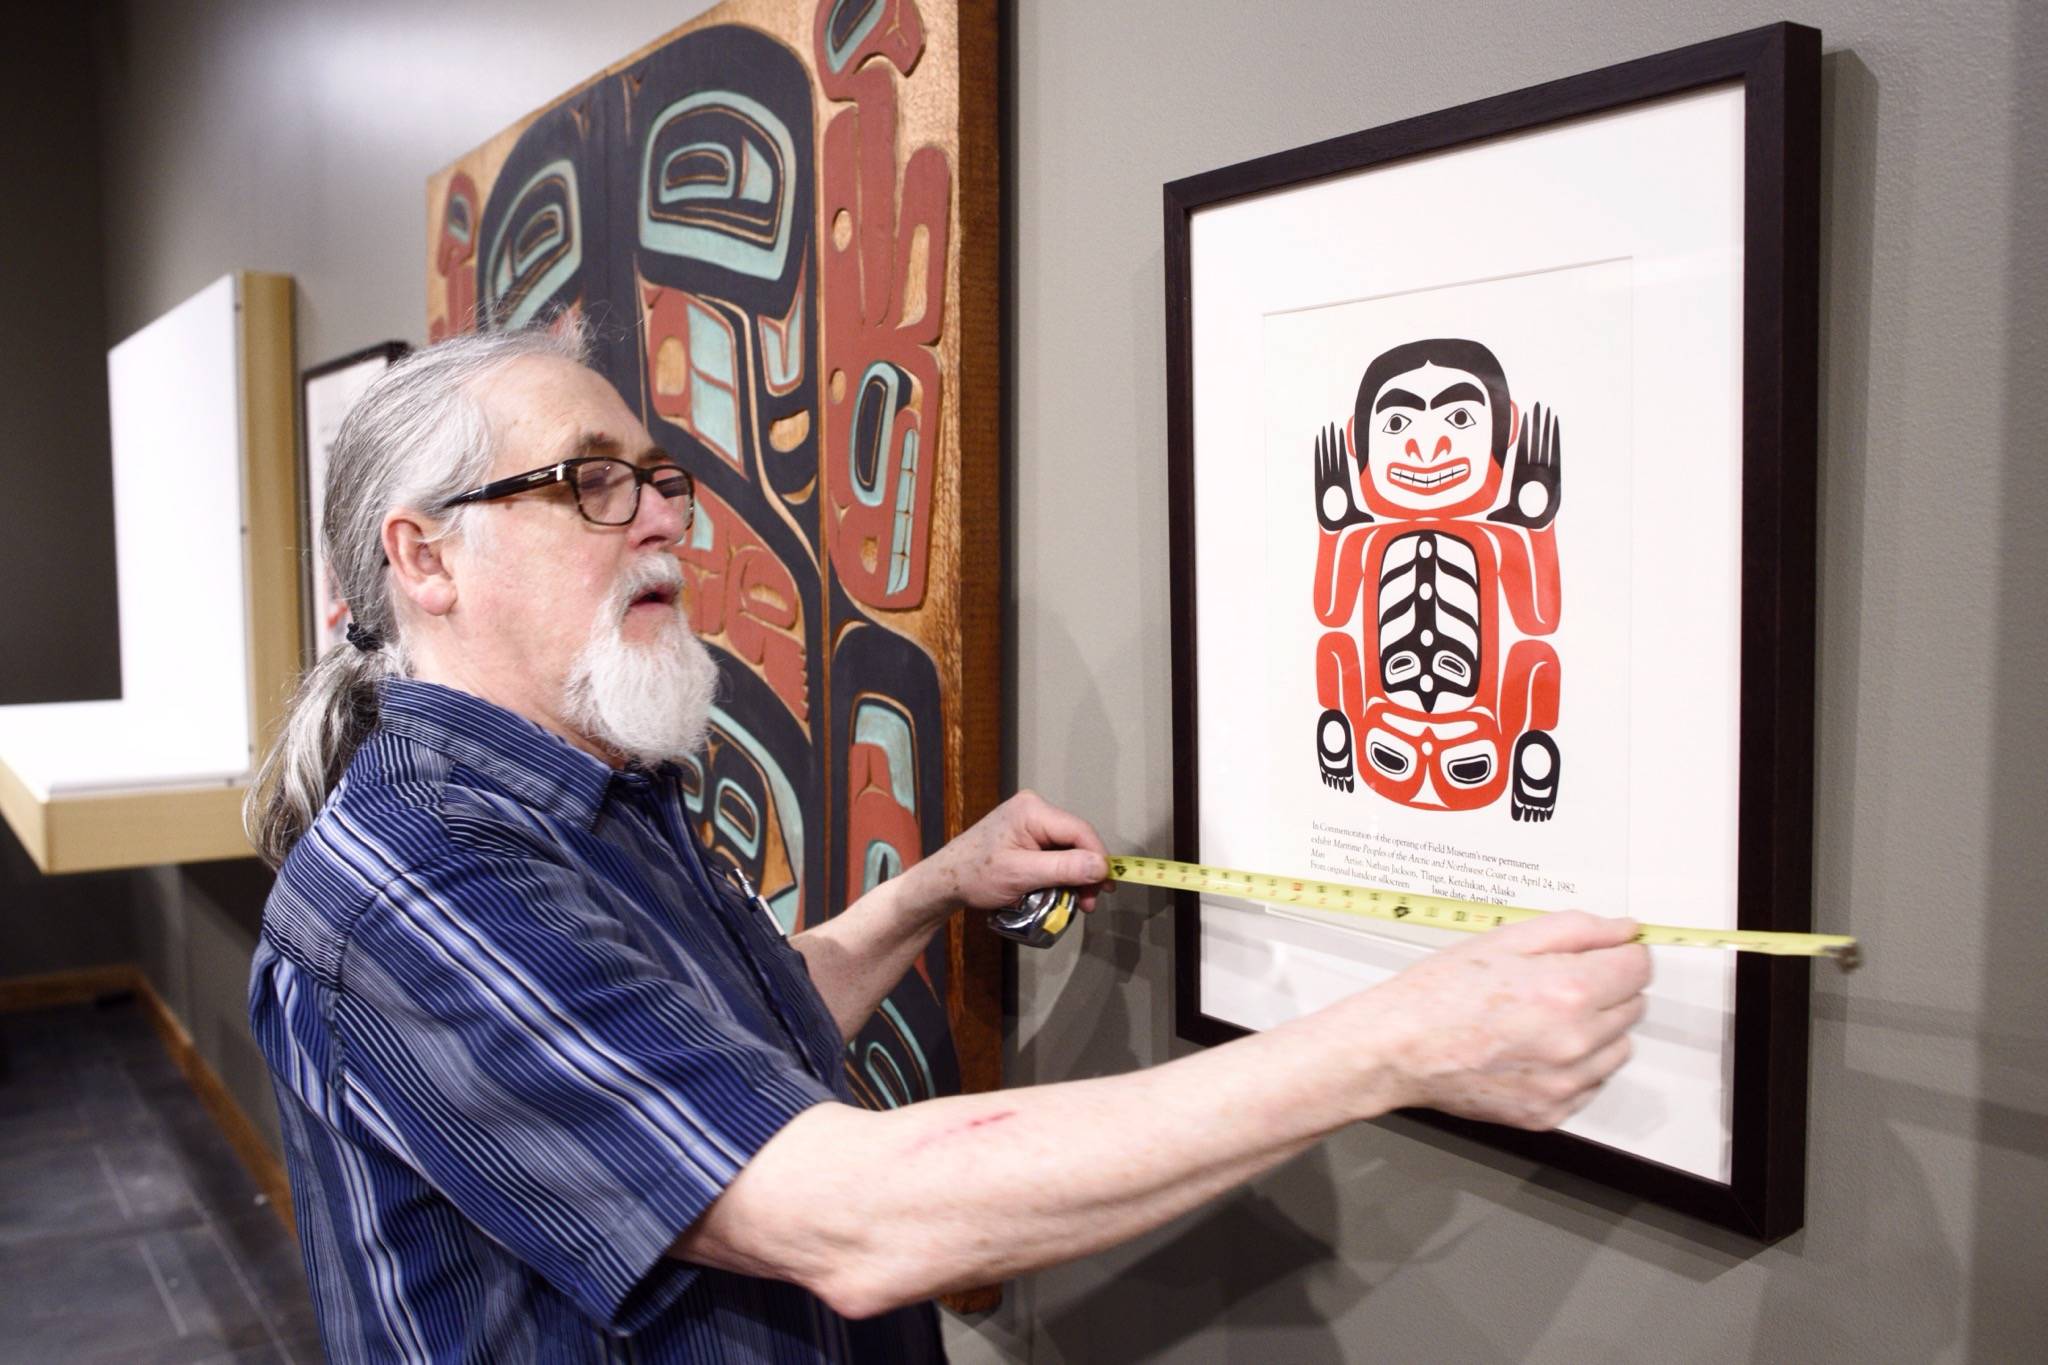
(1443, 448)
(658, 519)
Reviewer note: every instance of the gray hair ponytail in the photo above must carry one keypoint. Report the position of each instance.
(416, 438)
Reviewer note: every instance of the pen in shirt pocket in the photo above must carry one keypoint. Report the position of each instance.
(760, 902)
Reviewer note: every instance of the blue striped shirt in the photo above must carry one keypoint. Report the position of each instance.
(521, 1037)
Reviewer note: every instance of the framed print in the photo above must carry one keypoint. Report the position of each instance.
(326, 393)
(1491, 440)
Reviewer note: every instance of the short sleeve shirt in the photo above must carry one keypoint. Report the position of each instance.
(522, 1036)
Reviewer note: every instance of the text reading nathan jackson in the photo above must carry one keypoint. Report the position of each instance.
(1427, 865)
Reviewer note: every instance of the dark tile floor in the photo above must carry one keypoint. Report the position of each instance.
(128, 1230)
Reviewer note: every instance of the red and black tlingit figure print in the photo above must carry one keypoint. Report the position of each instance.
(1420, 700)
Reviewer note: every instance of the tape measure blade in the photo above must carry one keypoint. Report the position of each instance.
(1302, 898)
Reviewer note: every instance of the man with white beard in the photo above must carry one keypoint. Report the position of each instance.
(552, 1090)
(650, 703)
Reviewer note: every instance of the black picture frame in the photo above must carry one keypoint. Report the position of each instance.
(380, 356)
(1778, 68)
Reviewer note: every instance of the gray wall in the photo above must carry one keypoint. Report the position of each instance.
(57, 924)
(298, 136)
(294, 138)
(56, 505)
(58, 634)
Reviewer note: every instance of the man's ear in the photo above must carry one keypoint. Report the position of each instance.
(1514, 426)
(419, 571)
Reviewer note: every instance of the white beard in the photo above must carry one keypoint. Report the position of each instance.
(650, 703)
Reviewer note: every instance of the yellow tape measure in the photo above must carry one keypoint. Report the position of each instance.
(1443, 912)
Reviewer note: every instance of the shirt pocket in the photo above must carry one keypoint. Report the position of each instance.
(787, 973)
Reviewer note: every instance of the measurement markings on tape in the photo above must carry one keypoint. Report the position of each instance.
(1446, 912)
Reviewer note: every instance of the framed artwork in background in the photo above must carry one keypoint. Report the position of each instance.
(1492, 463)
(326, 393)
(779, 225)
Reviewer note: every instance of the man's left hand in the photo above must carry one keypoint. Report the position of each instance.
(1022, 845)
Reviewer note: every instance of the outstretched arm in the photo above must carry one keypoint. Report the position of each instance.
(873, 1210)
(857, 957)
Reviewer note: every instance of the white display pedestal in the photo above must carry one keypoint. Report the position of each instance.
(206, 549)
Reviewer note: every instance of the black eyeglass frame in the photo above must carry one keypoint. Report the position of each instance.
(560, 472)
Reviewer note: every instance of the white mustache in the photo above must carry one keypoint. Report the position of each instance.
(655, 571)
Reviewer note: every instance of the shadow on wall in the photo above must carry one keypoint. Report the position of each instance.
(2008, 1310)
(1288, 1269)
(1246, 1259)
(1120, 960)
(239, 887)
(1877, 1277)
(54, 924)
(1871, 1274)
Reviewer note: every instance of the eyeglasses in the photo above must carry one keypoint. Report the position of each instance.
(607, 490)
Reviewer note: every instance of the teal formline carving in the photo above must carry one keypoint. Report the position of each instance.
(836, 54)
(905, 526)
(779, 789)
(750, 843)
(875, 1051)
(709, 244)
(782, 349)
(498, 271)
(870, 494)
(882, 725)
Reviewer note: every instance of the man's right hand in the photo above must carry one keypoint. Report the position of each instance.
(1519, 1026)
